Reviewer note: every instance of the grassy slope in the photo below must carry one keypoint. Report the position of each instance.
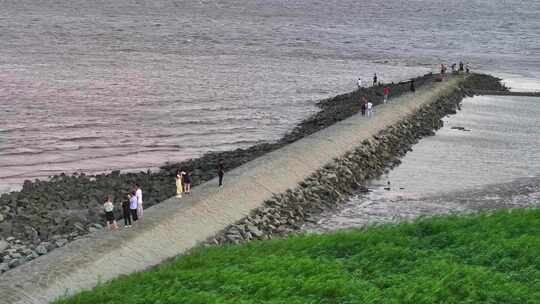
(488, 258)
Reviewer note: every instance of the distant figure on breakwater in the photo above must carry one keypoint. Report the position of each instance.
(369, 109)
(363, 106)
(413, 89)
(386, 92)
(359, 83)
(375, 79)
(187, 183)
(125, 212)
(109, 214)
(461, 66)
(139, 195)
(133, 206)
(179, 183)
(220, 173)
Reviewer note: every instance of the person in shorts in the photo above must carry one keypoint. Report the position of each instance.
(109, 213)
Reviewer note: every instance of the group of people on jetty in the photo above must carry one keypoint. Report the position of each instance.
(455, 70)
(132, 205)
(366, 105)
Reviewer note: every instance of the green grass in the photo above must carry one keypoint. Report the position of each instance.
(486, 258)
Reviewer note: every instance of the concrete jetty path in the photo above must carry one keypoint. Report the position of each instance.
(177, 225)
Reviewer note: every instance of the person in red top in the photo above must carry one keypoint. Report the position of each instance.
(386, 92)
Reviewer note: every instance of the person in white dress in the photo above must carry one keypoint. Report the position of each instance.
(139, 195)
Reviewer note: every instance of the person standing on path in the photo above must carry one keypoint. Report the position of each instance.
(109, 214)
(133, 206)
(139, 194)
(126, 213)
(461, 66)
(179, 183)
(187, 183)
(386, 92)
(363, 106)
(375, 79)
(221, 173)
(359, 83)
(369, 109)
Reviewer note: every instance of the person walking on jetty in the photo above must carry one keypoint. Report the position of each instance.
(359, 83)
(109, 214)
(187, 183)
(125, 212)
(139, 195)
(179, 183)
(363, 106)
(413, 89)
(369, 109)
(374, 79)
(386, 92)
(220, 173)
(133, 206)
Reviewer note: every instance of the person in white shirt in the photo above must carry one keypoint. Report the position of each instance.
(359, 83)
(138, 194)
(369, 109)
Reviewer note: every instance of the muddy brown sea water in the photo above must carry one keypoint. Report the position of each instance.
(98, 86)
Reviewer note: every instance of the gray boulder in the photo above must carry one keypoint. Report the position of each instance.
(3, 245)
(41, 249)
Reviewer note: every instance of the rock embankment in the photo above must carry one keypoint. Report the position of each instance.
(287, 212)
(46, 215)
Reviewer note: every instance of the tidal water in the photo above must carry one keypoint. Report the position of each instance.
(92, 86)
(491, 161)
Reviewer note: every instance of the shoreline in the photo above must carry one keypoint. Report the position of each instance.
(34, 232)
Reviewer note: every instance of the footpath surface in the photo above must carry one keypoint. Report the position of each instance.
(177, 225)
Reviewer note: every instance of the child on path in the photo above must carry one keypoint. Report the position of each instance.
(179, 183)
(109, 214)
(369, 109)
(133, 206)
(126, 213)
(187, 183)
(220, 172)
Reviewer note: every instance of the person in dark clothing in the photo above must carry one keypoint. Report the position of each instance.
(412, 86)
(126, 213)
(363, 107)
(220, 173)
(461, 66)
(375, 79)
(187, 182)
